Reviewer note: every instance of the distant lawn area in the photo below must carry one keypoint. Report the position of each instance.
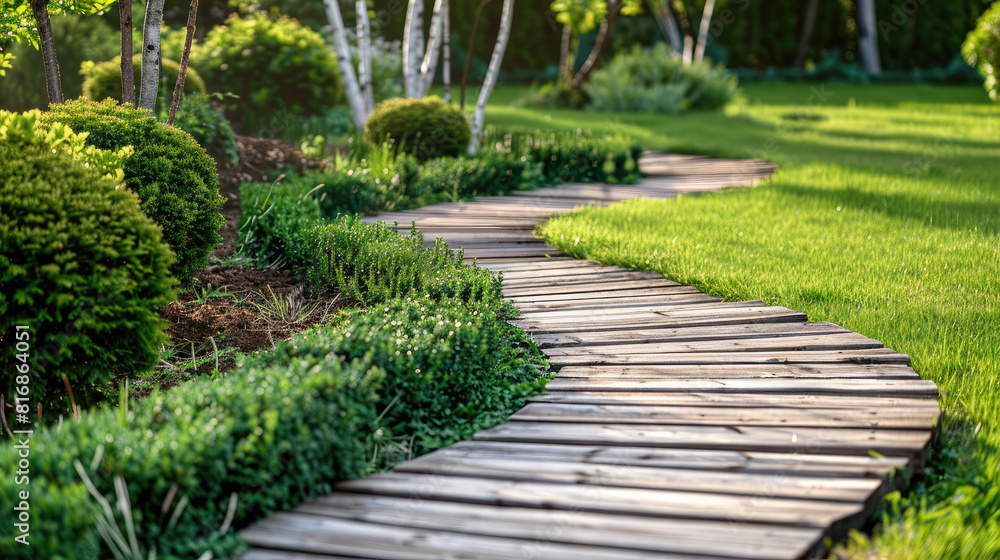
(884, 217)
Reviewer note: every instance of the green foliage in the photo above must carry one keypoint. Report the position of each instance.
(77, 39)
(104, 80)
(569, 156)
(174, 177)
(982, 50)
(208, 126)
(80, 265)
(655, 81)
(273, 64)
(17, 21)
(426, 128)
(273, 436)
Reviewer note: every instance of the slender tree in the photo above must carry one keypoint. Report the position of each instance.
(149, 80)
(365, 54)
(411, 40)
(446, 51)
(602, 38)
(565, 66)
(479, 117)
(703, 29)
(46, 43)
(128, 69)
(688, 54)
(185, 56)
(355, 98)
(472, 43)
(429, 64)
(867, 38)
(807, 29)
(667, 23)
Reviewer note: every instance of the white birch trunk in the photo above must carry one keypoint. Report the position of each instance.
(492, 72)
(365, 55)
(667, 23)
(706, 20)
(410, 59)
(867, 38)
(446, 51)
(149, 82)
(688, 53)
(429, 64)
(355, 99)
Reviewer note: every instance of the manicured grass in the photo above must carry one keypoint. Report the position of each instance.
(884, 217)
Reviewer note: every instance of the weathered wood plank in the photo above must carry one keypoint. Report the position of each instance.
(745, 371)
(581, 528)
(722, 332)
(874, 387)
(864, 356)
(758, 399)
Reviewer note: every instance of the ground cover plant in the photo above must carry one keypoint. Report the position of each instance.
(883, 217)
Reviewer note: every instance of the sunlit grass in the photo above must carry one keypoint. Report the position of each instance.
(884, 217)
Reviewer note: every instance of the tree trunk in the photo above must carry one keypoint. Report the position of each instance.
(667, 23)
(703, 28)
(446, 51)
(149, 81)
(807, 30)
(365, 55)
(128, 69)
(46, 43)
(429, 64)
(565, 71)
(499, 48)
(688, 53)
(355, 99)
(599, 43)
(185, 56)
(867, 39)
(472, 44)
(414, 14)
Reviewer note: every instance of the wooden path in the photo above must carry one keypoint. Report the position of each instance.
(679, 425)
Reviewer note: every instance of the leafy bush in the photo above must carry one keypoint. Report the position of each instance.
(426, 128)
(80, 265)
(273, 64)
(208, 126)
(982, 49)
(655, 81)
(268, 437)
(174, 177)
(104, 80)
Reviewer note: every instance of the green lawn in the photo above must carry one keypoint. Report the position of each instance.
(884, 217)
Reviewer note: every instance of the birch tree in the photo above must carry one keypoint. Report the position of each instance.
(703, 28)
(446, 51)
(355, 98)
(479, 117)
(365, 55)
(128, 69)
(411, 30)
(149, 82)
(665, 20)
(867, 39)
(185, 56)
(428, 66)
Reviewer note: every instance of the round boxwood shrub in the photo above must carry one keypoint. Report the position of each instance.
(81, 267)
(982, 49)
(273, 64)
(104, 80)
(208, 126)
(427, 128)
(175, 179)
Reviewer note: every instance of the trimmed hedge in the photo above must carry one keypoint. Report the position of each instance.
(80, 265)
(208, 126)
(174, 177)
(426, 128)
(104, 80)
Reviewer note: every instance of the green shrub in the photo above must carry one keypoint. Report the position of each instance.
(568, 157)
(208, 126)
(656, 81)
(104, 80)
(174, 177)
(272, 436)
(274, 65)
(982, 49)
(426, 128)
(80, 265)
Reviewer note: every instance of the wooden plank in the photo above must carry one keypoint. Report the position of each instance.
(861, 417)
(580, 528)
(540, 295)
(793, 343)
(578, 274)
(678, 317)
(800, 464)
(876, 387)
(270, 554)
(639, 303)
(606, 499)
(870, 356)
(707, 306)
(763, 400)
(327, 535)
(529, 289)
(836, 441)
(723, 332)
(840, 489)
(745, 371)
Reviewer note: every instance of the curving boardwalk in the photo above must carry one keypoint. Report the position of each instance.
(679, 425)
